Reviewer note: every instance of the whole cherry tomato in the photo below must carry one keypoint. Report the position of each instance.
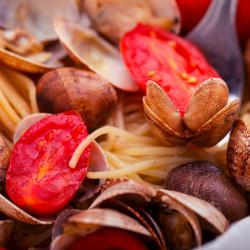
(151, 53)
(109, 238)
(193, 10)
(39, 178)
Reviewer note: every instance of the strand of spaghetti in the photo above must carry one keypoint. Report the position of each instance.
(156, 151)
(13, 97)
(117, 162)
(102, 131)
(21, 81)
(154, 173)
(133, 168)
(8, 110)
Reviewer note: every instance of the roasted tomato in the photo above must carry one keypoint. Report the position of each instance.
(39, 178)
(151, 53)
(193, 10)
(109, 238)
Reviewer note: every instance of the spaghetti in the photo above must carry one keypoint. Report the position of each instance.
(133, 151)
(17, 99)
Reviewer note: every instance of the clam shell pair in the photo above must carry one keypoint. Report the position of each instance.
(207, 119)
(124, 204)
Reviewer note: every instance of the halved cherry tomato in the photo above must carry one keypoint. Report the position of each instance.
(151, 53)
(107, 239)
(39, 178)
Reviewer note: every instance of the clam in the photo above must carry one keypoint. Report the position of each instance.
(238, 155)
(146, 204)
(128, 13)
(66, 89)
(90, 51)
(208, 182)
(95, 222)
(208, 118)
(35, 17)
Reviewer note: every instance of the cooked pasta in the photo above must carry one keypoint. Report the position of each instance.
(133, 151)
(17, 99)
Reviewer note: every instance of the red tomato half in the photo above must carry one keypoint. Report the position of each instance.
(39, 178)
(151, 53)
(107, 239)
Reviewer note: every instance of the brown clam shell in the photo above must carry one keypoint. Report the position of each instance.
(4, 159)
(238, 155)
(207, 120)
(66, 89)
(206, 181)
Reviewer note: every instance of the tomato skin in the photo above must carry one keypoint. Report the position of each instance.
(109, 238)
(39, 178)
(193, 10)
(151, 53)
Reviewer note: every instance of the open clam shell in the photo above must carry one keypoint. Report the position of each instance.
(238, 155)
(134, 193)
(162, 200)
(6, 228)
(202, 208)
(89, 221)
(208, 118)
(35, 16)
(128, 13)
(86, 48)
(21, 63)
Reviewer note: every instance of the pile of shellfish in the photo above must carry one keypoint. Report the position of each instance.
(71, 46)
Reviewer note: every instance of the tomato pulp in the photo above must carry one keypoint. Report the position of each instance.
(39, 178)
(151, 53)
(109, 238)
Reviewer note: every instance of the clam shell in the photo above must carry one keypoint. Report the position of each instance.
(238, 155)
(85, 221)
(10, 209)
(218, 126)
(210, 97)
(35, 16)
(169, 9)
(26, 123)
(86, 48)
(202, 208)
(191, 217)
(4, 159)
(134, 193)
(21, 63)
(6, 228)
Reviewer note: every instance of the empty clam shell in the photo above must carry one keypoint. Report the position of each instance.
(91, 51)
